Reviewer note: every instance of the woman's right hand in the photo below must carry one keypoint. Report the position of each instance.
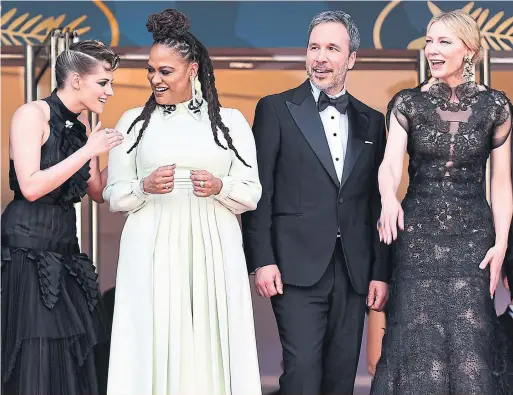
(102, 141)
(392, 215)
(161, 180)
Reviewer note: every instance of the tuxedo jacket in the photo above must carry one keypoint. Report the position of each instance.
(304, 205)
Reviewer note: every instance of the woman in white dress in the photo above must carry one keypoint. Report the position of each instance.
(183, 318)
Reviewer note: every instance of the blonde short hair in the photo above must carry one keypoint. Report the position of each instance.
(464, 27)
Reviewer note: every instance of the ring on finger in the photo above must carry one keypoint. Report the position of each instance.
(202, 184)
(168, 186)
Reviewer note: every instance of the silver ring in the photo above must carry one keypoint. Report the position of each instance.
(202, 184)
(168, 186)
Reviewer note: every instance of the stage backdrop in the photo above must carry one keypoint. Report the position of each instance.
(248, 24)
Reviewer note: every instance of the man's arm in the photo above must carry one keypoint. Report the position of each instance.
(256, 225)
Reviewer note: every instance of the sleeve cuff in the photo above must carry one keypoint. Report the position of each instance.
(136, 187)
(225, 189)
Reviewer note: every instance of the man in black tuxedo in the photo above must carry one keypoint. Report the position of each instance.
(313, 239)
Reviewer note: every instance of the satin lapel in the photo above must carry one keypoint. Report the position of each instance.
(304, 111)
(358, 122)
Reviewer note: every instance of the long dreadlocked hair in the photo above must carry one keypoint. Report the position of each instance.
(170, 28)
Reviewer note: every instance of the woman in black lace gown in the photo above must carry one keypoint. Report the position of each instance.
(442, 334)
(51, 312)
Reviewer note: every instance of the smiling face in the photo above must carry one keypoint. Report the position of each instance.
(328, 57)
(169, 75)
(445, 53)
(95, 87)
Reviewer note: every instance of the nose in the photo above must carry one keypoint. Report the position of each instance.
(155, 79)
(321, 55)
(109, 91)
(431, 49)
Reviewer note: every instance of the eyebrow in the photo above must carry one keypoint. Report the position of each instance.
(329, 44)
(161, 67)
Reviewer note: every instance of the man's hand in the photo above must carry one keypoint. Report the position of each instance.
(268, 281)
(378, 295)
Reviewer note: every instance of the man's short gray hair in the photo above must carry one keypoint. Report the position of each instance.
(339, 17)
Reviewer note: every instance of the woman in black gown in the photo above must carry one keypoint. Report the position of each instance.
(442, 334)
(51, 310)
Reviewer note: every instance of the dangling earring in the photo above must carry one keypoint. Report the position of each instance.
(468, 69)
(194, 104)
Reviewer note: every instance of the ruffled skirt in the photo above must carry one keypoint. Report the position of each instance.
(52, 323)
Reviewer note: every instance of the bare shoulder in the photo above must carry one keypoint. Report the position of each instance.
(36, 113)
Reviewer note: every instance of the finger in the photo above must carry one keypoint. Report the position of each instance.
(380, 229)
(401, 219)
(393, 226)
(370, 295)
(97, 127)
(494, 279)
(261, 289)
(379, 302)
(166, 172)
(485, 261)
(202, 184)
(200, 172)
(115, 143)
(166, 179)
(200, 177)
(279, 283)
(201, 194)
(271, 289)
(388, 230)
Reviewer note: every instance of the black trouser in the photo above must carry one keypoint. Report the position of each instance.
(320, 331)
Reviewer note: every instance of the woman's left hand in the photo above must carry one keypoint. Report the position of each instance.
(205, 184)
(494, 257)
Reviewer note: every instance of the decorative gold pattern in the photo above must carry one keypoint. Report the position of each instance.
(496, 35)
(24, 29)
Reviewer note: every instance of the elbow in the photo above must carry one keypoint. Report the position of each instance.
(30, 193)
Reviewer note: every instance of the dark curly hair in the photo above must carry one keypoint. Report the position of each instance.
(171, 28)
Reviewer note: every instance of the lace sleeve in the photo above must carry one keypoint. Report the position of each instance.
(399, 107)
(503, 123)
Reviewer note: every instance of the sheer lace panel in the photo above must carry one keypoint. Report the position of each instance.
(398, 107)
(442, 334)
(503, 124)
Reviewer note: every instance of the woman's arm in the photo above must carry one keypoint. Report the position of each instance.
(241, 189)
(94, 184)
(501, 190)
(26, 135)
(390, 174)
(123, 191)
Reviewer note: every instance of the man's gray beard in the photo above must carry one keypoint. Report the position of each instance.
(335, 82)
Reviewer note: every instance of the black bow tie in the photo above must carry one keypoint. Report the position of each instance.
(340, 103)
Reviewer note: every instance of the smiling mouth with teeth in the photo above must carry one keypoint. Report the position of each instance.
(160, 89)
(103, 100)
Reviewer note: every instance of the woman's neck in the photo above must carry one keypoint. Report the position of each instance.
(67, 98)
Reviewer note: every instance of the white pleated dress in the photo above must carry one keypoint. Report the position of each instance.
(183, 318)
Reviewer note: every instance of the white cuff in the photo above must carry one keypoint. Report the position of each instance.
(225, 189)
(136, 188)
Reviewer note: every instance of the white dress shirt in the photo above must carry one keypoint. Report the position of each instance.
(336, 129)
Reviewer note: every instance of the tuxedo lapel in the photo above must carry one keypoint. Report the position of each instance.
(304, 111)
(358, 122)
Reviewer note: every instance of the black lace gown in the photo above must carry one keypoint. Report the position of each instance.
(52, 317)
(442, 334)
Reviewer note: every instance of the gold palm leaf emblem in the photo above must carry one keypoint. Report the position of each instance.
(494, 35)
(26, 29)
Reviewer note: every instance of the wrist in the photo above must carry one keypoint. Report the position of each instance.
(143, 186)
(218, 186)
(85, 154)
(501, 244)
